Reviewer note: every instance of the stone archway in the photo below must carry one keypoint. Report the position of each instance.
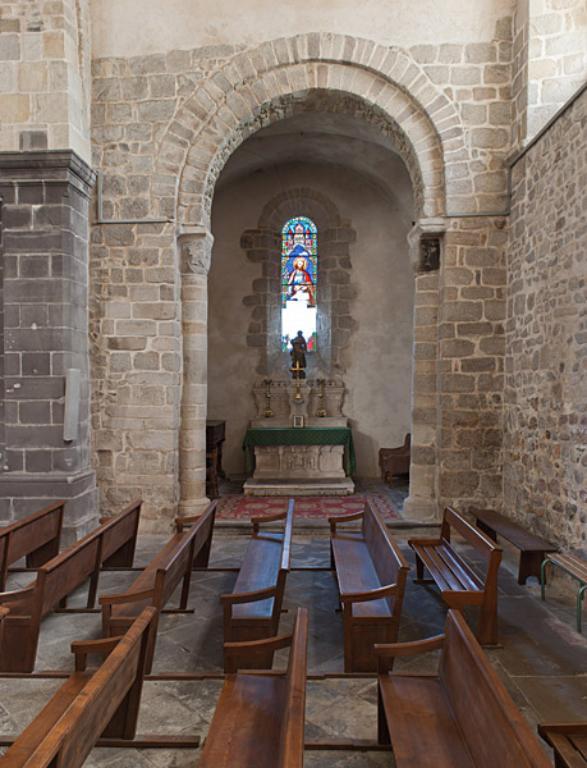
(257, 88)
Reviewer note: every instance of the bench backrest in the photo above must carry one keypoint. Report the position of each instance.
(496, 732)
(174, 569)
(390, 564)
(107, 704)
(475, 537)
(71, 568)
(121, 528)
(29, 534)
(291, 751)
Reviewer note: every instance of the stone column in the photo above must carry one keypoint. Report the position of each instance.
(425, 240)
(195, 250)
(45, 393)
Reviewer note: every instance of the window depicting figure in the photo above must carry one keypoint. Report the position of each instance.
(299, 278)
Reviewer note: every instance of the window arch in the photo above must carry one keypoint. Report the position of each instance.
(299, 281)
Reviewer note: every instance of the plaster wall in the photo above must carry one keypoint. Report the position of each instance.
(200, 23)
(378, 358)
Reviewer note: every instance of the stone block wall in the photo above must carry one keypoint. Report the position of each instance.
(45, 87)
(135, 312)
(44, 220)
(545, 441)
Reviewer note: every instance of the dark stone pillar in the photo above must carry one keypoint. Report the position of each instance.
(44, 325)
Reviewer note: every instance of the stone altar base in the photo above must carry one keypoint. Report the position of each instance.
(298, 470)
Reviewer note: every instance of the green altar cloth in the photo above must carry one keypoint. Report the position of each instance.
(300, 436)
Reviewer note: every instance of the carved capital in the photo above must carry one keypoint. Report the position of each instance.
(425, 240)
(195, 250)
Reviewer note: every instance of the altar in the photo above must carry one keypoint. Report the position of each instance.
(300, 443)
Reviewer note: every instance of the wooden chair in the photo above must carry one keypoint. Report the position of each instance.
(35, 537)
(159, 580)
(459, 585)
(461, 718)
(112, 543)
(569, 742)
(371, 572)
(395, 461)
(88, 705)
(259, 718)
(252, 609)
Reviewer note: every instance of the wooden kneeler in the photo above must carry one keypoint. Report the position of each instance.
(92, 709)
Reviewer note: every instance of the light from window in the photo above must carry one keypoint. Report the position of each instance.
(299, 279)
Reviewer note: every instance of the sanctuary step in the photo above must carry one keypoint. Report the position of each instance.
(343, 486)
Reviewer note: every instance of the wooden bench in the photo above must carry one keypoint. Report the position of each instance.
(88, 705)
(112, 543)
(259, 718)
(35, 537)
(532, 548)
(569, 741)
(252, 610)
(371, 573)
(159, 580)
(461, 718)
(3, 615)
(459, 585)
(574, 566)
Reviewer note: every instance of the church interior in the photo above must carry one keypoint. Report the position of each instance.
(293, 363)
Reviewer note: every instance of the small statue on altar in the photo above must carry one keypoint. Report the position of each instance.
(299, 348)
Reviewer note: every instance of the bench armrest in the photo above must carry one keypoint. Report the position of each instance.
(248, 597)
(256, 522)
(16, 594)
(182, 522)
(562, 728)
(234, 652)
(425, 542)
(413, 648)
(126, 597)
(370, 594)
(337, 520)
(83, 648)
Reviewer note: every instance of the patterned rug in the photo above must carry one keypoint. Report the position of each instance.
(239, 507)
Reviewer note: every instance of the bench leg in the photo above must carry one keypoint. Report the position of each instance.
(543, 565)
(580, 595)
(530, 563)
(419, 569)
(487, 632)
(383, 736)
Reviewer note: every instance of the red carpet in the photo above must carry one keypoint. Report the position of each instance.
(241, 507)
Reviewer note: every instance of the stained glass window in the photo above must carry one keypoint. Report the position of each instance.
(299, 280)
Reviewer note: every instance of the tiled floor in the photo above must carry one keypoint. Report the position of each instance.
(543, 661)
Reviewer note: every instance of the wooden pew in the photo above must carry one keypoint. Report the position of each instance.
(259, 718)
(461, 718)
(251, 611)
(569, 741)
(3, 615)
(88, 705)
(459, 585)
(112, 543)
(371, 573)
(532, 548)
(35, 537)
(159, 580)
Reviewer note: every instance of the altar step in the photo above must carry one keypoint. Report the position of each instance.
(318, 487)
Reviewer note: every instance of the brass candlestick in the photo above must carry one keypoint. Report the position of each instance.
(321, 412)
(268, 412)
(296, 371)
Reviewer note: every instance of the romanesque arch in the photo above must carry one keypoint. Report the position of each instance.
(252, 90)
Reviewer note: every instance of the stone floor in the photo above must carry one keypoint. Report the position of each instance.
(543, 661)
